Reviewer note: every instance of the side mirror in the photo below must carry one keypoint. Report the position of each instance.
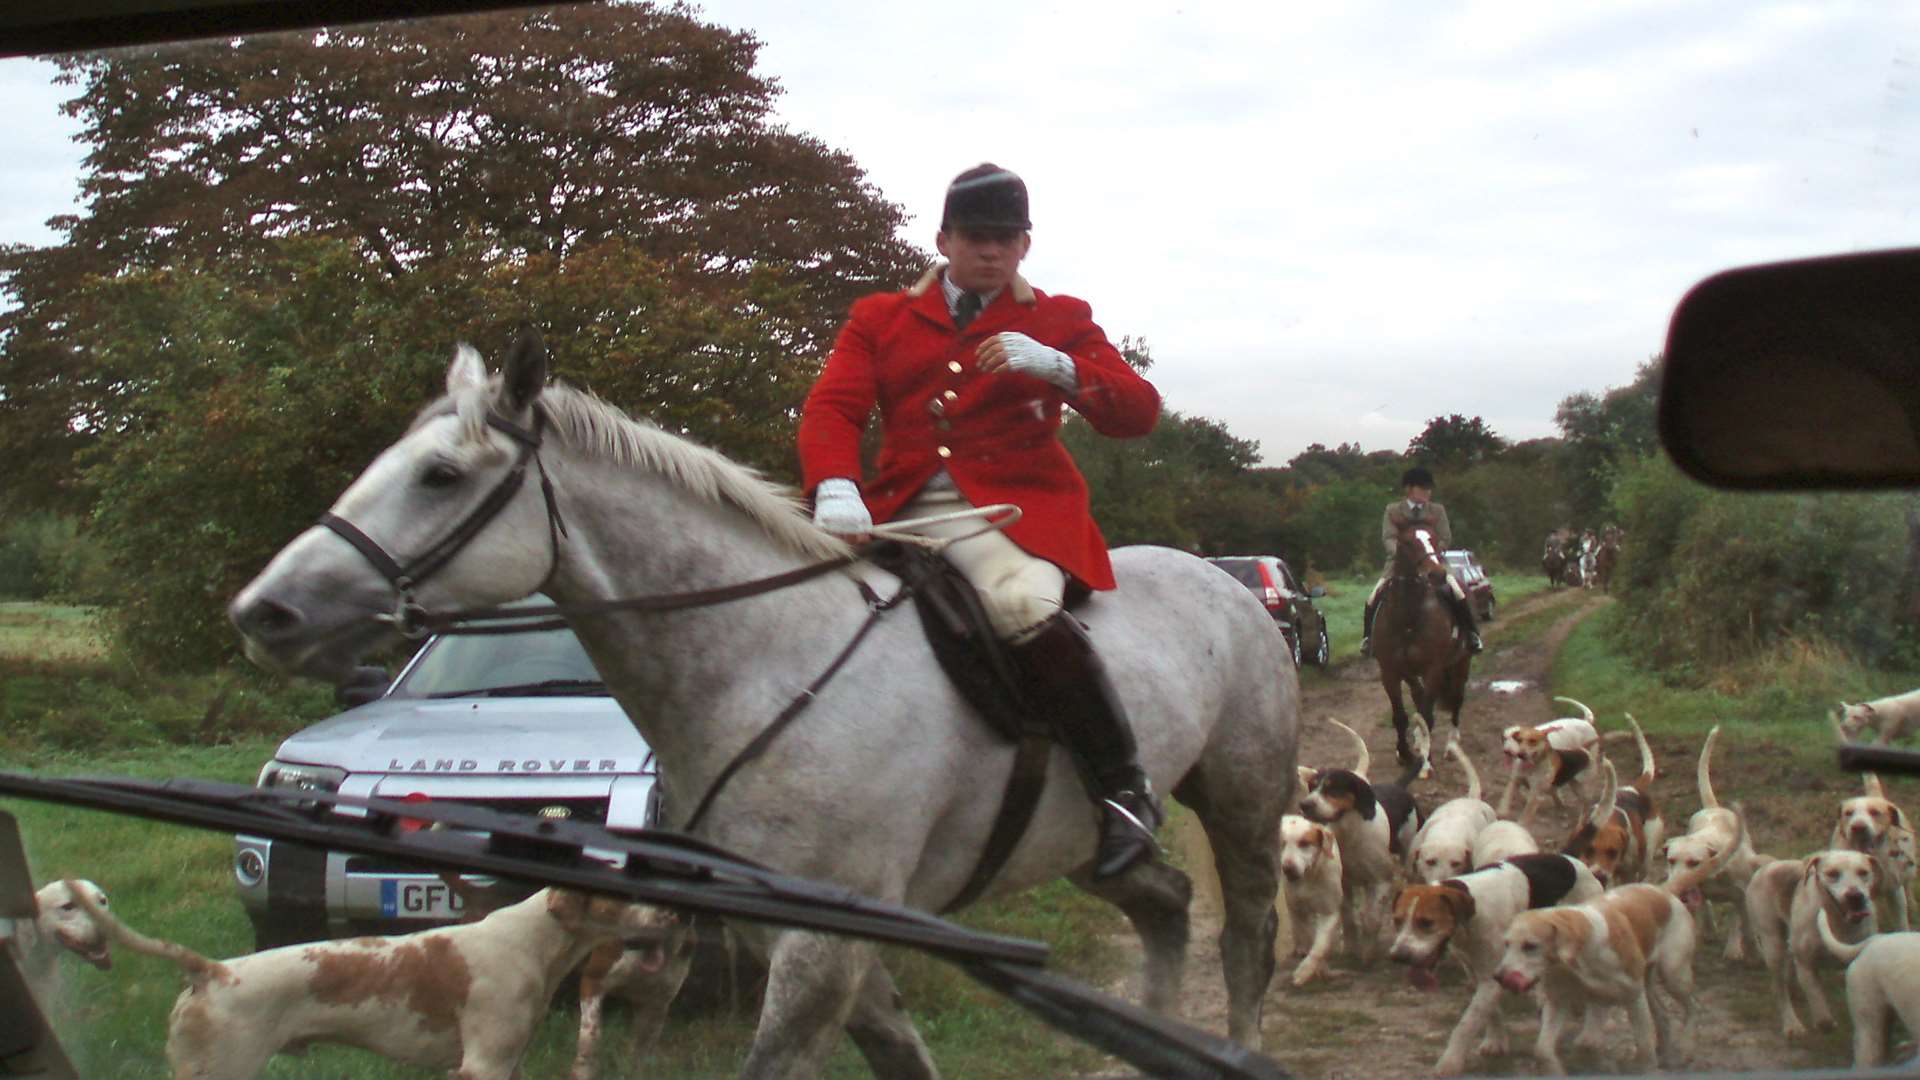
(364, 685)
(1317, 592)
(1798, 375)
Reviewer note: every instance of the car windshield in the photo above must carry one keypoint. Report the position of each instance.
(462, 665)
(1357, 251)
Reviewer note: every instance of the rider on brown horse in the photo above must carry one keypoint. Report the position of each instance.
(1418, 505)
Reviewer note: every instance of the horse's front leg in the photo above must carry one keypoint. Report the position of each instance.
(885, 1034)
(1391, 684)
(812, 983)
(1423, 696)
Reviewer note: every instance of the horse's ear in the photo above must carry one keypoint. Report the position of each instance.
(526, 372)
(466, 372)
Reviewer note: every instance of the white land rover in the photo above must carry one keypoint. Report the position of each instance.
(518, 722)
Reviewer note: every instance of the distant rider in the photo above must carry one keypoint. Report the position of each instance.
(1418, 505)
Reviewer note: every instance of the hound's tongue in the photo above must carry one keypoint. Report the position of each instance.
(1859, 914)
(101, 959)
(1693, 898)
(1421, 977)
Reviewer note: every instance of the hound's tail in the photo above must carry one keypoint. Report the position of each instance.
(1871, 781)
(1365, 761)
(1841, 951)
(1707, 801)
(1588, 712)
(1473, 778)
(1648, 772)
(197, 968)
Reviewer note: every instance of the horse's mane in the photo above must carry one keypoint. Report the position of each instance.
(590, 426)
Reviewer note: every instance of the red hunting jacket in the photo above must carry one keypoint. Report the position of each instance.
(996, 435)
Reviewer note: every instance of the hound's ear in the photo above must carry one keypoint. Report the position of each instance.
(1880, 873)
(466, 372)
(526, 373)
(1462, 904)
(1808, 865)
(1566, 947)
(1402, 903)
(1329, 843)
(566, 905)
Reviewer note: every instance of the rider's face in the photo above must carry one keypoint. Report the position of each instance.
(982, 260)
(1418, 494)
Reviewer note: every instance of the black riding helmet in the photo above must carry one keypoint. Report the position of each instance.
(1418, 476)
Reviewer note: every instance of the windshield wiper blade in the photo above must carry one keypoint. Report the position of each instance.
(541, 689)
(672, 870)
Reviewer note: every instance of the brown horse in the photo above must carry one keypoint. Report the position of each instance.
(1417, 643)
(1554, 562)
(1603, 563)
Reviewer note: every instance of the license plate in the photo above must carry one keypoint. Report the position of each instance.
(404, 899)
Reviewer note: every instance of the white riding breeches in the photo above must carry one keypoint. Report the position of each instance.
(1019, 591)
(1452, 583)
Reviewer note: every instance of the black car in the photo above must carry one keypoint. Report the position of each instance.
(1290, 605)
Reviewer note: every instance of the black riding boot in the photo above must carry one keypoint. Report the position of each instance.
(1366, 625)
(1463, 613)
(1069, 687)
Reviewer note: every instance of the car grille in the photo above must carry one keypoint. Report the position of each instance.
(584, 811)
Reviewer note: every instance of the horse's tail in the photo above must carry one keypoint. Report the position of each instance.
(1648, 772)
(1702, 774)
(1365, 760)
(1473, 777)
(196, 967)
(1841, 951)
(1578, 705)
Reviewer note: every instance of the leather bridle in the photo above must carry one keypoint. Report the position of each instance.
(408, 617)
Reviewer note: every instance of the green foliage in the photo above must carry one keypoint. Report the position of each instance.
(1602, 433)
(1503, 510)
(1184, 485)
(1455, 441)
(1336, 528)
(264, 388)
(46, 555)
(1711, 578)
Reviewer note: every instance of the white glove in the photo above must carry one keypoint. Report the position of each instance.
(839, 509)
(1029, 357)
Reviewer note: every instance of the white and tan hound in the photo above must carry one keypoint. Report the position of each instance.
(464, 997)
(1783, 900)
(1374, 825)
(1883, 977)
(60, 924)
(1610, 951)
(1709, 832)
(1470, 914)
(1616, 843)
(1310, 863)
(1443, 847)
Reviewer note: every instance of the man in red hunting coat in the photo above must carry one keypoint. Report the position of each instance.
(970, 368)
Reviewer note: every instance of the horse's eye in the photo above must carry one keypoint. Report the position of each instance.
(439, 475)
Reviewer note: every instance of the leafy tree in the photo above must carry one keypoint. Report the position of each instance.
(1183, 485)
(1455, 441)
(1605, 432)
(266, 389)
(495, 139)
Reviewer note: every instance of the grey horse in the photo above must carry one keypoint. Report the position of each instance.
(888, 784)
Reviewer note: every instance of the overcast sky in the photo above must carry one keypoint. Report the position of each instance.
(1335, 221)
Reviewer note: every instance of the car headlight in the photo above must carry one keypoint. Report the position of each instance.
(282, 774)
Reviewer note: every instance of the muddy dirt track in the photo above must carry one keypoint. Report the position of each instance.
(1372, 1023)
